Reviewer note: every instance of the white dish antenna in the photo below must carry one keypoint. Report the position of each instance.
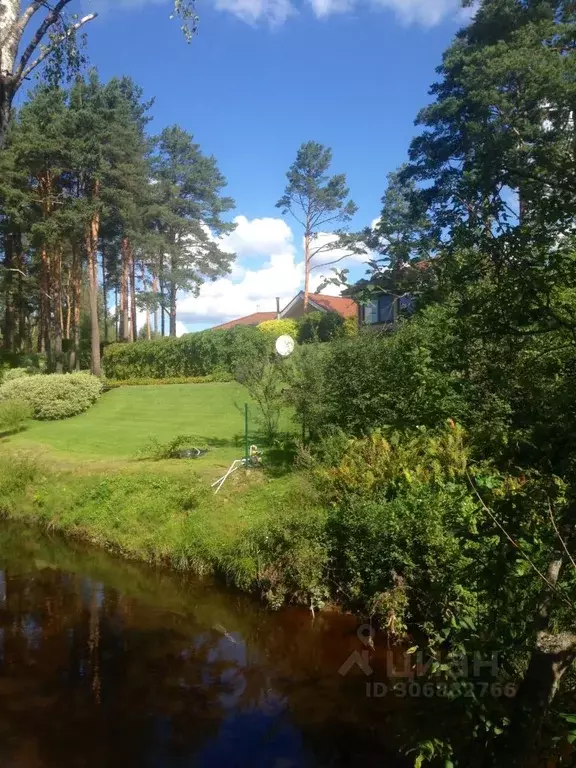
(285, 345)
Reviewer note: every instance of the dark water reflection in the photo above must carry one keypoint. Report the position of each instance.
(104, 663)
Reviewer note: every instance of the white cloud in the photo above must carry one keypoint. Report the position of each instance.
(258, 237)
(254, 288)
(337, 257)
(275, 12)
(225, 299)
(426, 13)
(249, 289)
(324, 8)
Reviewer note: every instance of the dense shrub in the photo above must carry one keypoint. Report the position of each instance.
(31, 361)
(56, 396)
(320, 326)
(401, 379)
(13, 415)
(277, 328)
(13, 373)
(304, 375)
(401, 514)
(192, 355)
(351, 327)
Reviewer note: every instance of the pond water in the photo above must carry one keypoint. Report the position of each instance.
(107, 663)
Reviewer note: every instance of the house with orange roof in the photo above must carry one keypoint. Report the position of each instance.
(317, 302)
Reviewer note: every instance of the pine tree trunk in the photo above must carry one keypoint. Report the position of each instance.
(162, 295)
(143, 287)
(307, 265)
(116, 314)
(9, 266)
(134, 319)
(45, 304)
(155, 288)
(92, 234)
(57, 363)
(172, 310)
(68, 325)
(21, 302)
(76, 299)
(124, 309)
(105, 294)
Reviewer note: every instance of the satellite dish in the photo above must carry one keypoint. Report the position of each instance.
(285, 346)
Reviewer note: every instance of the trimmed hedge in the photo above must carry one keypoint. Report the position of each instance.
(117, 383)
(195, 354)
(57, 396)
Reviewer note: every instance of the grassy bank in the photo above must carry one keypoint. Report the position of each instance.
(82, 477)
(261, 535)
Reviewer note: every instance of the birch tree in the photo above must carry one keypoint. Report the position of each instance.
(55, 38)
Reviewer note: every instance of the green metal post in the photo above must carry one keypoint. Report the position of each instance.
(246, 433)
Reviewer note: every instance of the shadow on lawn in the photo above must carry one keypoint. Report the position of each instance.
(6, 433)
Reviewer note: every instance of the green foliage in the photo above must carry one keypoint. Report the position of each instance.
(310, 187)
(193, 355)
(188, 209)
(17, 473)
(263, 380)
(13, 415)
(401, 514)
(285, 558)
(304, 375)
(351, 328)
(321, 326)
(276, 328)
(399, 379)
(55, 396)
(13, 373)
(173, 448)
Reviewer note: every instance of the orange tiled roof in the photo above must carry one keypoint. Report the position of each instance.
(340, 304)
(254, 319)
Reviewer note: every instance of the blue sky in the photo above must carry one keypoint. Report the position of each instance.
(263, 76)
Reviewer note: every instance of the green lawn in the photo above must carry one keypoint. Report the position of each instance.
(124, 419)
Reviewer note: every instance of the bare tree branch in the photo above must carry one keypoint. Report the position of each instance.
(560, 536)
(28, 13)
(49, 20)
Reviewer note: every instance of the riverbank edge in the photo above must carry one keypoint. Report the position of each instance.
(263, 535)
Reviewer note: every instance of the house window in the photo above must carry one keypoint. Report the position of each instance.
(407, 303)
(371, 313)
(386, 308)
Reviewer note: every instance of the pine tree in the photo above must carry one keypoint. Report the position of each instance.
(316, 200)
(187, 214)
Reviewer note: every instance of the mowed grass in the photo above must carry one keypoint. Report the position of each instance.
(123, 421)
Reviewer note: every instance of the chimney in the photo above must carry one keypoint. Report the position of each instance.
(277, 307)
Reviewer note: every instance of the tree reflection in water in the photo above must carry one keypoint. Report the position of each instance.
(105, 663)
